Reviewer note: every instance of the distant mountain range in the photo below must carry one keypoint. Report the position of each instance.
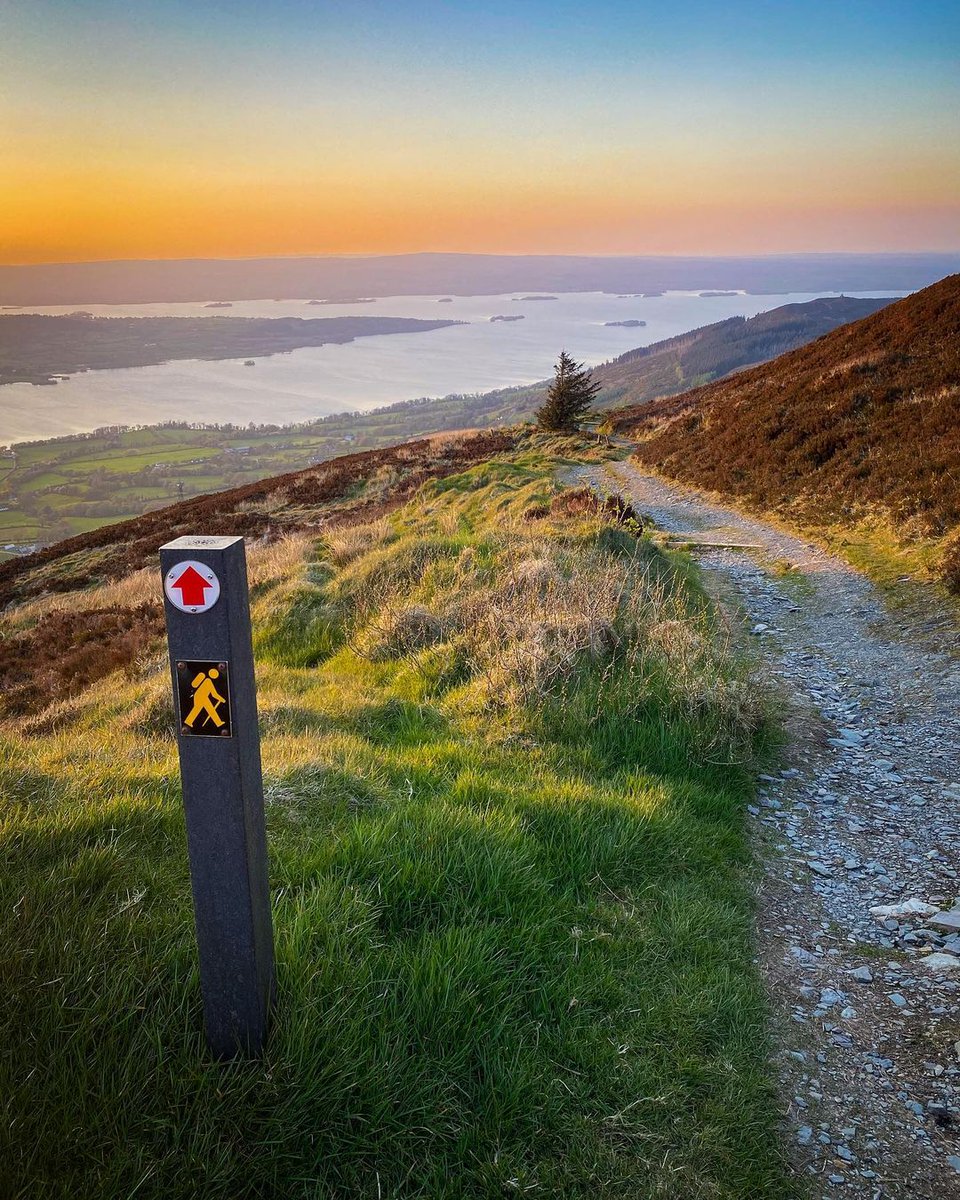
(331, 278)
(864, 421)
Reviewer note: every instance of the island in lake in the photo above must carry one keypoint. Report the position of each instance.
(348, 300)
(39, 349)
(513, 317)
(712, 295)
(631, 324)
(517, 299)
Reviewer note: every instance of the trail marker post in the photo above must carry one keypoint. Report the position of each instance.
(207, 611)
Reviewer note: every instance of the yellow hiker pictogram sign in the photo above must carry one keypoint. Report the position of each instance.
(203, 693)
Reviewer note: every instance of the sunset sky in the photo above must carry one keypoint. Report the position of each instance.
(162, 129)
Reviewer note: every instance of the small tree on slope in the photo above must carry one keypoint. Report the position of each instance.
(569, 396)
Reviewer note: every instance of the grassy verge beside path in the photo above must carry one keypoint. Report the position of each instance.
(507, 749)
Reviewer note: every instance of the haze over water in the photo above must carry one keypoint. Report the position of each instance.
(369, 372)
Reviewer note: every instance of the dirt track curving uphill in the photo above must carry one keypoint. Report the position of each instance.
(865, 814)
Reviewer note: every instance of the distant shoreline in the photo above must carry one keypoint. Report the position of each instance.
(447, 274)
(43, 350)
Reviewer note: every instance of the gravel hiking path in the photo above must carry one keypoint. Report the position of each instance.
(865, 814)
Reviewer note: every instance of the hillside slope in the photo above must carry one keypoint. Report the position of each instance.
(507, 748)
(343, 491)
(864, 422)
(689, 359)
(705, 354)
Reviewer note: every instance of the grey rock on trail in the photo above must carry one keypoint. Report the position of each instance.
(865, 816)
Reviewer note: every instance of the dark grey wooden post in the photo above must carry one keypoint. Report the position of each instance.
(211, 660)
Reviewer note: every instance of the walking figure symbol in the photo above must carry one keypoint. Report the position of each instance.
(206, 699)
(203, 699)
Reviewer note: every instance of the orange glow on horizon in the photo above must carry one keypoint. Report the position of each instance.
(87, 215)
(242, 130)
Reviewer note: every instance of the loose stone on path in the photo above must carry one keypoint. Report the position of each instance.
(858, 920)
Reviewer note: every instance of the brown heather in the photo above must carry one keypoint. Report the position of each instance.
(344, 491)
(67, 651)
(863, 421)
(64, 639)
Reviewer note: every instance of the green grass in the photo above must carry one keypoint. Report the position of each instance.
(15, 524)
(88, 524)
(511, 898)
(905, 569)
(57, 500)
(44, 480)
(101, 466)
(875, 548)
(790, 577)
(126, 462)
(145, 492)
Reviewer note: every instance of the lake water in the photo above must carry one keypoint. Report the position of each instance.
(370, 371)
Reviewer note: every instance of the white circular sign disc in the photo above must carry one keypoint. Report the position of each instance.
(192, 586)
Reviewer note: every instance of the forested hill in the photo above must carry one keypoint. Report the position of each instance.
(680, 362)
(708, 353)
(863, 422)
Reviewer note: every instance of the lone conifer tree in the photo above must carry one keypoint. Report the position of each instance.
(569, 396)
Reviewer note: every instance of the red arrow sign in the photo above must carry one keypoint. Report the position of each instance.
(192, 588)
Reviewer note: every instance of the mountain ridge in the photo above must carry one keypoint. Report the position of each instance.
(712, 351)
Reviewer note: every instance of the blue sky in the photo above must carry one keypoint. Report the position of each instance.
(650, 127)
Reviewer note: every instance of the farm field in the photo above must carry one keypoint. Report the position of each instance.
(115, 474)
(61, 486)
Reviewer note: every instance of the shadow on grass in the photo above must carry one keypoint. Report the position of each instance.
(398, 722)
(477, 980)
(279, 719)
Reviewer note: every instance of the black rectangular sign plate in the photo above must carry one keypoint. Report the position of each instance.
(203, 699)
